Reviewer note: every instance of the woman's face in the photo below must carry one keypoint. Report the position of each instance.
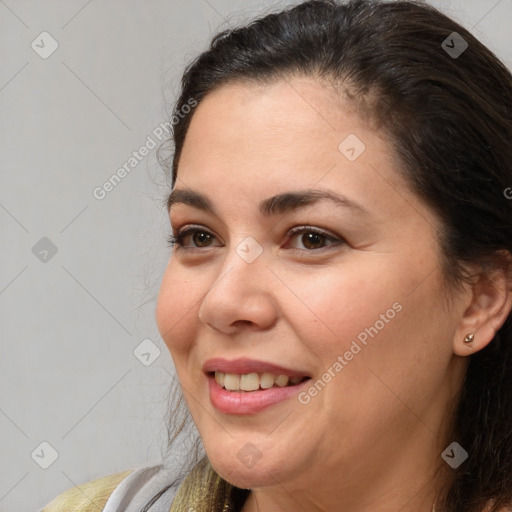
(343, 287)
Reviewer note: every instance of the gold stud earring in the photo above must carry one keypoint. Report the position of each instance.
(469, 338)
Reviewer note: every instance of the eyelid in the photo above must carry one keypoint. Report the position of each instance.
(311, 229)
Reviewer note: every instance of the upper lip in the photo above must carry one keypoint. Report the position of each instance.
(245, 365)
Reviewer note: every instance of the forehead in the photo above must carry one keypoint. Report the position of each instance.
(250, 141)
(280, 127)
(284, 118)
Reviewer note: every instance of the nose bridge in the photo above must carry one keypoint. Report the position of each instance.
(241, 293)
(244, 265)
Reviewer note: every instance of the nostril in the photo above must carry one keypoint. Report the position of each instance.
(243, 322)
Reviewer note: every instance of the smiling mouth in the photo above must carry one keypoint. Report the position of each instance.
(247, 382)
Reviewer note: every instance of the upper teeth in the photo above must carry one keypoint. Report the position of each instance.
(253, 381)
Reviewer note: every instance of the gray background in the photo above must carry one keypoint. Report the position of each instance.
(70, 324)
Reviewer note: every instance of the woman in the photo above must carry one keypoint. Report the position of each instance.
(338, 298)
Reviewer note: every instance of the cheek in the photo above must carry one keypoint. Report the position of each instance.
(402, 349)
(332, 308)
(176, 311)
(384, 320)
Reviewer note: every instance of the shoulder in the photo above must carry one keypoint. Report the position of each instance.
(91, 496)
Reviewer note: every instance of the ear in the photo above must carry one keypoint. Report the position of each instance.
(489, 305)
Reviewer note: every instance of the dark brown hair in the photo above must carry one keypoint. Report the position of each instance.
(448, 119)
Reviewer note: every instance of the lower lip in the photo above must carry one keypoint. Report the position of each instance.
(250, 402)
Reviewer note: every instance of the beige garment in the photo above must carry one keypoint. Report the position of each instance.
(88, 497)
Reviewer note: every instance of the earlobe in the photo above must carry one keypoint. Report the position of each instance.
(490, 306)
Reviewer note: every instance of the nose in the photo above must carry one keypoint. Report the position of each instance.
(240, 297)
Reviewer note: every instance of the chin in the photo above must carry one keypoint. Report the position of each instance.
(248, 468)
(245, 478)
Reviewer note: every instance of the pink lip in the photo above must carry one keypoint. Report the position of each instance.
(246, 365)
(251, 402)
(233, 402)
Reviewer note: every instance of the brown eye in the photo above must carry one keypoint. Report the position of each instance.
(191, 237)
(201, 238)
(312, 239)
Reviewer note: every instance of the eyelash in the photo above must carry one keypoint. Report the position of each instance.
(178, 238)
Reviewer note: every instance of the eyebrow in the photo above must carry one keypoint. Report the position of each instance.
(275, 205)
